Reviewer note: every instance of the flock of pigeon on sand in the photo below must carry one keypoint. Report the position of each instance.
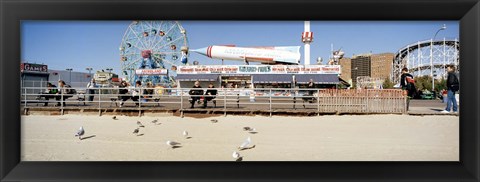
(245, 145)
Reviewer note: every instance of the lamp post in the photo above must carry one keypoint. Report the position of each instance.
(70, 70)
(89, 71)
(109, 70)
(431, 55)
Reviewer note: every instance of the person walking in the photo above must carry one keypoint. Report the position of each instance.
(91, 89)
(408, 85)
(453, 85)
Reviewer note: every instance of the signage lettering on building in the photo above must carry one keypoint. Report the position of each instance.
(29, 67)
(259, 69)
(152, 71)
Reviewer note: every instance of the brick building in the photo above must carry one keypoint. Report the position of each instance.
(371, 65)
(346, 65)
(381, 66)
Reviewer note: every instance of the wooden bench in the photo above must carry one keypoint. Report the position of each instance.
(155, 99)
(219, 98)
(53, 99)
(114, 100)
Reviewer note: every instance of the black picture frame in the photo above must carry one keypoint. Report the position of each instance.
(14, 11)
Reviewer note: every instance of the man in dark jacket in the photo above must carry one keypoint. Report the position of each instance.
(196, 93)
(408, 85)
(210, 94)
(453, 85)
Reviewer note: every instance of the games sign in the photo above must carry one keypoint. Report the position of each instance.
(29, 67)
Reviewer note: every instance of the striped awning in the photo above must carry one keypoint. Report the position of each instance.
(197, 77)
(318, 78)
(272, 78)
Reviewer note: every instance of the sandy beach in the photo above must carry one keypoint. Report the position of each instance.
(319, 138)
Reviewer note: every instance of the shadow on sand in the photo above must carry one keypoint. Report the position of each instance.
(91, 136)
(436, 109)
(239, 159)
(246, 148)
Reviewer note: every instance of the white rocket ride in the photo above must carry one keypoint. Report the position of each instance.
(266, 55)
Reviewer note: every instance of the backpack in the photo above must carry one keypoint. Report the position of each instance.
(456, 84)
(410, 85)
(70, 90)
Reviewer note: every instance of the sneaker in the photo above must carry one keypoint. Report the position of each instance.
(455, 112)
(445, 111)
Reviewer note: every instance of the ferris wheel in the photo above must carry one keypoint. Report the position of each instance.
(151, 51)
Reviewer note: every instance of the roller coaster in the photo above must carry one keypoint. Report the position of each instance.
(423, 56)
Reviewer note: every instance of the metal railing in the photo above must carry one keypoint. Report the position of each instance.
(259, 99)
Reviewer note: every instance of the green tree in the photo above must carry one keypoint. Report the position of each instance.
(423, 82)
(388, 84)
(440, 84)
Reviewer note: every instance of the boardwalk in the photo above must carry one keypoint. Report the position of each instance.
(260, 106)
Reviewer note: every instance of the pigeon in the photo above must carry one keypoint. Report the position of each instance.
(214, 120)
(114, 117)
(246, 128)
(136, 131)
(235, 155)
(172, 144)
(245, 143)
(185, 134)
(80, 132)
(140, 124)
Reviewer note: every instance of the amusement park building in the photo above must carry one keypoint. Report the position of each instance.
(37, 75)
(77, 79)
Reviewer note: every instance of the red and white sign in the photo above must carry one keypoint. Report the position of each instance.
(29, 67)
(259, 69)
(307, 36)
(151, 72)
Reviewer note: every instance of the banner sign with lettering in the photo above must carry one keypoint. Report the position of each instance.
(259, 69)
(29, 67)
(151, 71)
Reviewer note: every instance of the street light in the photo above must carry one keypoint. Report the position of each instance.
(431, 55)
(109, 70)
(70, 70)
(89, 71)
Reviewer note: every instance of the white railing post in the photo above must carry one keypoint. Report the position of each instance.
(224, 102)
(25, 97)
(368, 98)
(318, 102)
(181, 100)
(270, 99)
(99, 101)
(140, 97)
